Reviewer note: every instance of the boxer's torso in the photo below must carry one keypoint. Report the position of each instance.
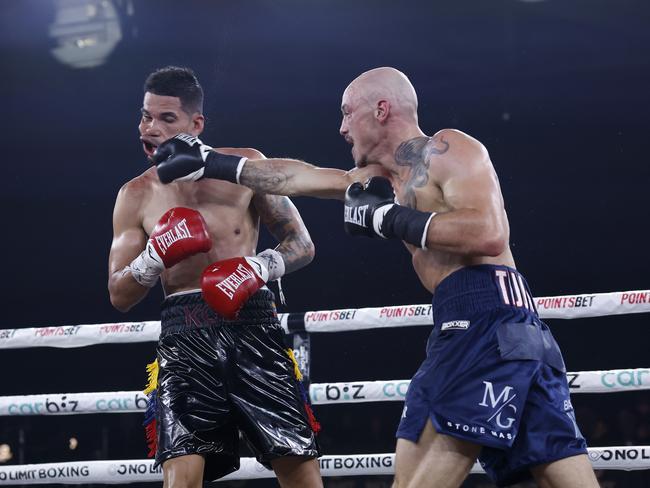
(228, 210)
(432, 266)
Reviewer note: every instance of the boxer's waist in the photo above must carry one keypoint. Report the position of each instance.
(475, 289)
(188, 310)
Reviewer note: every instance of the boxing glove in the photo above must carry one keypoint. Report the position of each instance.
(181, 232)
(361, 204)
(228, 284)
(186, 158)
(370, 210)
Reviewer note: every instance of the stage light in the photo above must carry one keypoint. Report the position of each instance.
(85, 31)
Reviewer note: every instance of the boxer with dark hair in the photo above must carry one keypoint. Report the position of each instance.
(219, 373)
(493, 384)
(174, 81)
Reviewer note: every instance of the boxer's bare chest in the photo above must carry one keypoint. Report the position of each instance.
(232, 221)
(218, 202)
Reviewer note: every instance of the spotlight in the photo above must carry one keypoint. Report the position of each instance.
(85, 31)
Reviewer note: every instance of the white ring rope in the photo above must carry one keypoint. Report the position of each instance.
(560, 307)
(608, 381)
(130, 471)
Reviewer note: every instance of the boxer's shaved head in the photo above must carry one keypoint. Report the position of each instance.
(377, 104)
(387, 84)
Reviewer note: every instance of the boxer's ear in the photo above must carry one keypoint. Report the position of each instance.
(382, 110)
(198, 123)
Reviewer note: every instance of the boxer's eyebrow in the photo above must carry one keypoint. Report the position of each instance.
(167, 115)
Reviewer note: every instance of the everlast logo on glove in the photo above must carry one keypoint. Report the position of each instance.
(227, 285)
(176, 233)
(356, 215)
(230, 284)
(190, 140)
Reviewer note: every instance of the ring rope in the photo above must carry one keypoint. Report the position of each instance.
(608, 381)
(626, 458)
(559, 307)
(114, 472)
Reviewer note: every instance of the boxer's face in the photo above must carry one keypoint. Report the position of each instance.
(358, 127)
(163, 118)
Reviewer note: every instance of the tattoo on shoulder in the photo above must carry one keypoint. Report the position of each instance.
(417, 153)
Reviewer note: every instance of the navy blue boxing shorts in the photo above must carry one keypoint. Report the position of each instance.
(218, 377)
(493, 375)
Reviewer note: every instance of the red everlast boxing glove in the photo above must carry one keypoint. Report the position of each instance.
(180, 233)
(227, 285)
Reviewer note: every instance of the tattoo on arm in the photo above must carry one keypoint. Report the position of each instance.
(285, 224)
(266, 179)
(417, 153)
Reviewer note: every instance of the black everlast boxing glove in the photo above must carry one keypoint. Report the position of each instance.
(371, 211)
(361, 203)
(186, 158)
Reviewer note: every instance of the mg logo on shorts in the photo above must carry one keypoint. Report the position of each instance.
(501, 404)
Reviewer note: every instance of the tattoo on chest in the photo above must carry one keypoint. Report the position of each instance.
(417, 153)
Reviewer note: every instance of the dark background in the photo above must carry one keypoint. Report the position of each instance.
(558, 91)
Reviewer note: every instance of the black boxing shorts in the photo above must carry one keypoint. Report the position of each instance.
(218, 377)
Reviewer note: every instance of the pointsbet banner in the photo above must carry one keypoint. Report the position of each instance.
(562, 307)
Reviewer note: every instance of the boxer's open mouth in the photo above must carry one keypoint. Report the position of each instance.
(148, 147)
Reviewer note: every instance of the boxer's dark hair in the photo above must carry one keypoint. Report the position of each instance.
(175, 81)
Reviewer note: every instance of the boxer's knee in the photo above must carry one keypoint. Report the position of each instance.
(573, 472)
(297, 472)
(183, 472)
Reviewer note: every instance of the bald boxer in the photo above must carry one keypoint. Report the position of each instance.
(493, 383)
(220, 373)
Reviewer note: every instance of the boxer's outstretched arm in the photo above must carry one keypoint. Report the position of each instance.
(186, 158)
(291, 177)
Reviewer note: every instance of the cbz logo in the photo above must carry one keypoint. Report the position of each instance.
(501, 404)
(334, 392)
